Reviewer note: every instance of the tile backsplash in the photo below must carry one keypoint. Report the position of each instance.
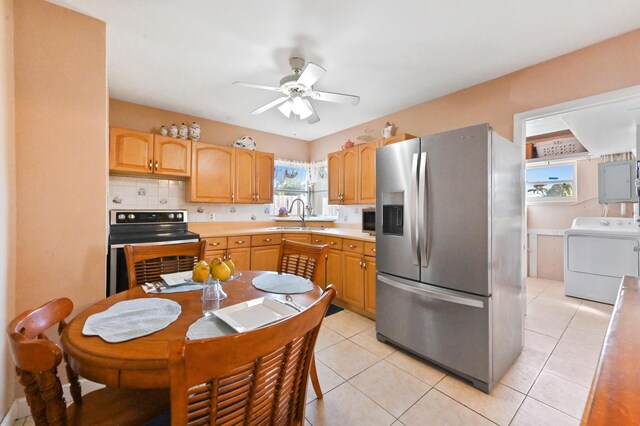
(149, 193)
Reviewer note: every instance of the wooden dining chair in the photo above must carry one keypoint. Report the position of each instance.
(37, 359)
(147, 263)
(257, 377)
(305, 260)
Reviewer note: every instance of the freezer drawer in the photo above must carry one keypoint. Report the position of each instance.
(444, 326)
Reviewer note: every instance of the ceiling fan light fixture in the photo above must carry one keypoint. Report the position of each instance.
(300, 108)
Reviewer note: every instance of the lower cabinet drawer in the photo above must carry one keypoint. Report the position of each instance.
(318, 239)
(370, 249)
(240, 241)
(353, 246)
(216, 243)
(265, 240)
(301, 238)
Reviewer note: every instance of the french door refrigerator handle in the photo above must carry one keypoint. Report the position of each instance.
(423, 198)
(413, 213)
(433, 294)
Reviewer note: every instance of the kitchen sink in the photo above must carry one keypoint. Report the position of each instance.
(297, 228)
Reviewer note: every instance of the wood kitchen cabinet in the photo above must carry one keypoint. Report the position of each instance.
(245, 176)
(253, 177)
(352, 279)
(343, 171)
(352, 172)
(241, 258)
(212, 173)
(130, 151)
(171, 156)
(265, 258)
(370, 284)
(146, 153)
(264, 177)
(367, 172)
(230, 175)
(394, 139)
(301, 238)
(333, 271)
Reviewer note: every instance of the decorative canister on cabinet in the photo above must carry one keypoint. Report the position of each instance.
(194, 132)
(173, 131)
(164, 131)
(183, 131)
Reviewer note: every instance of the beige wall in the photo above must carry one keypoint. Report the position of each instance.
(7, 201)
(148, 119)
(612, 64)
(599, 68)
(61, 155)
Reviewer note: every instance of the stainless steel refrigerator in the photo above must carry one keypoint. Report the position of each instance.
(448, 241)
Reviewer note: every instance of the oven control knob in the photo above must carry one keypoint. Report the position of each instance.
(171, 215)
(122, 216)
(131, 216)
(179, 216)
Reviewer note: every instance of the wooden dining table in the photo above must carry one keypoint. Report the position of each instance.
(143, 362)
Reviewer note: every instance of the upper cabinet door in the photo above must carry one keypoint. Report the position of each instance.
(350, 180)
(245, 176)
(367, 165)
(264, 177)
(130, 151)
(171, 156)
(334, 166)
(212, 172)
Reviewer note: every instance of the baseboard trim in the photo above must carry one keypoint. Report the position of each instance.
(20, 408)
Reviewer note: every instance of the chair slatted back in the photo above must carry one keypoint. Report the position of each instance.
(304, 260)
(37, 360)
(258, 377)
(147, 263)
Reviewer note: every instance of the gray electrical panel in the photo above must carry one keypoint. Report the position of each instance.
(617, 182)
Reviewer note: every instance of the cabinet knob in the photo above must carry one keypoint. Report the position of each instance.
(316, 241)
(150, 165)
(267, 240)
(215, 244)
(156, 165)
(373, 250)
(360, 263)
(333, 243)
(352, 246)
(240, 242)
(364, 264)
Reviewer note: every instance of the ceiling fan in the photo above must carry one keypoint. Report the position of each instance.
(297, 89)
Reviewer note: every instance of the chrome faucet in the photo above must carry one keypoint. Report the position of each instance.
(303, 208)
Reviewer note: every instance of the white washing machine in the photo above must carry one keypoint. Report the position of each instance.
(598, 251)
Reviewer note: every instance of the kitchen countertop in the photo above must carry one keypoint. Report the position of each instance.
(614, 399)
(206, 230)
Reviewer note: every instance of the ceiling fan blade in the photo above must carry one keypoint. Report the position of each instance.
(339, 98)
(285, 109)
(270, 105)
(311, 74)
(313, 118)
(257, 86)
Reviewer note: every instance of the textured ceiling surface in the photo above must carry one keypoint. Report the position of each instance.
(183, 56)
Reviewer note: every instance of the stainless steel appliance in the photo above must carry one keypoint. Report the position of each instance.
(449, 285)
(141, 227)
(369, 221)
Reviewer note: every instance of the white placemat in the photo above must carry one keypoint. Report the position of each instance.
(282, 283)
(131, 319)
(208, 327)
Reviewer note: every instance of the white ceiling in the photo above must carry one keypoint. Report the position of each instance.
(183, 56)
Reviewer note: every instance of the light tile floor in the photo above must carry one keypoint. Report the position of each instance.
(366, 382)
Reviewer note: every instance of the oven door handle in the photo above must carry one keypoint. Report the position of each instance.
(159, 243)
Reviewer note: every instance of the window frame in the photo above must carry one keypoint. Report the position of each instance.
(552, 200)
